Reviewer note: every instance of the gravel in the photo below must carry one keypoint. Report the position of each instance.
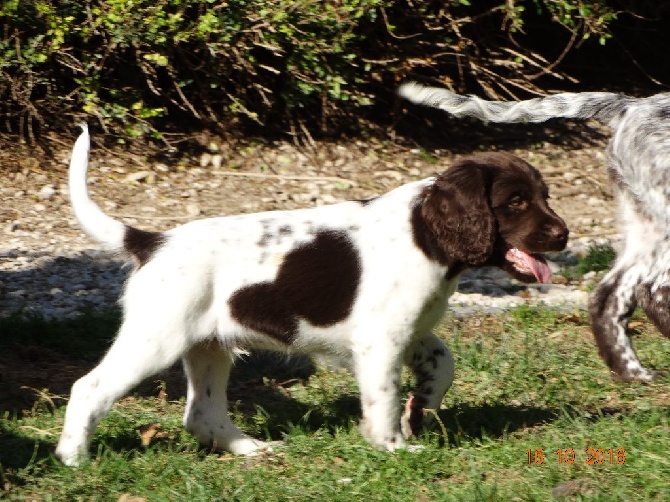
(48, 267)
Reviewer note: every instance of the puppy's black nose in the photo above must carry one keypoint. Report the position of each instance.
(558, 233)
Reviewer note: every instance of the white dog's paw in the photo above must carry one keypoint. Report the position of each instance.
(72, 457)
(397, 442)
(382, 438)
(250, 447)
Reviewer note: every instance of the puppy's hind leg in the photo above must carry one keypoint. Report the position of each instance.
(432, 364)
(207, 366)
(138, 352)
(654, 299)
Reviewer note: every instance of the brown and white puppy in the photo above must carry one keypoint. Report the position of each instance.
(363, 282)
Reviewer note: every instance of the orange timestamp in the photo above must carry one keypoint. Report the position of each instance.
(592, 456)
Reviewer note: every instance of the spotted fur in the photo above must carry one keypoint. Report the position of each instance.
(359, 282)
(638, 163)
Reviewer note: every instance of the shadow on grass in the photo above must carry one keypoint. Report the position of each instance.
(461, 424)
(18, 452)
(51, 355)
(257, 380)
(466, 422)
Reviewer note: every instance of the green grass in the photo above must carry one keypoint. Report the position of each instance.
(526, 380)
(598, 257)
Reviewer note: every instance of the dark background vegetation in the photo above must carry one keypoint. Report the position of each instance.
(162, 68)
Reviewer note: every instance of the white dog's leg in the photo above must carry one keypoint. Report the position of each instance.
(377, 370)
(611, 306)
(613, 302)
(136, 354)
(207, 367)
(433, 366)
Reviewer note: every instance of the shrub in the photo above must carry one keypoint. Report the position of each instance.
(140, 67)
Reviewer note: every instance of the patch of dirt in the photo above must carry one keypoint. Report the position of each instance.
(250, 176)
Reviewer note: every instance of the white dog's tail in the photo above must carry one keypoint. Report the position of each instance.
(114, 234)
(95, 223)
(604, 106)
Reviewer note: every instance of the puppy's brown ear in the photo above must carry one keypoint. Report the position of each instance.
(457, 213)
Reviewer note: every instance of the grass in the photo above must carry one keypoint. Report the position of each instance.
(598, 258)
(526, 380)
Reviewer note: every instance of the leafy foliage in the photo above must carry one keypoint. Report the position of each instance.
(296, 65)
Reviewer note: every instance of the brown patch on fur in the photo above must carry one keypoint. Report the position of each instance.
(142, 244)
(424, 239)
(317, 282)
(415, 406)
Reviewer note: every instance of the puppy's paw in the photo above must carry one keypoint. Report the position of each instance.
(413, 448)
(250, 447)
(381, 437)
(71, 457)
(269, 448)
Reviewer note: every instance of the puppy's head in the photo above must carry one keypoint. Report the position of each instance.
(491, 209)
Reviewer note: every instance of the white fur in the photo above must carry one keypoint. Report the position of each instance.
(96, 223)
(176, 306)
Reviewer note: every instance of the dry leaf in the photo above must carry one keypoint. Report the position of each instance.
(162, 395)
(148, 432)
(127, 497)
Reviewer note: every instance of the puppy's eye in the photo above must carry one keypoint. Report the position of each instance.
(518, 202)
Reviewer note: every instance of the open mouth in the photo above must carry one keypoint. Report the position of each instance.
(528, 264)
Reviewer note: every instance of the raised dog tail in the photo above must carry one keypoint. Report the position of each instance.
(93, 220)
(606, 107)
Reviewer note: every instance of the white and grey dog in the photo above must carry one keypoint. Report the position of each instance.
(360, 281)
(638, 163)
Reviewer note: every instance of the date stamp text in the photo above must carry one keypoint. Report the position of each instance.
(591, 456)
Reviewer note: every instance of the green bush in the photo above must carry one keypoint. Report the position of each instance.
(140, 67)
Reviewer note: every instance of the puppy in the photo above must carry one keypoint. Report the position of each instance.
(362, 281)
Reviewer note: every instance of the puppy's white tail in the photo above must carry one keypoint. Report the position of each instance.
(95, 223)
(604, 106)
(138, 244)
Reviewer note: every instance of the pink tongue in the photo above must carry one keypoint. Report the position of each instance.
(537, 265)
(528, 263)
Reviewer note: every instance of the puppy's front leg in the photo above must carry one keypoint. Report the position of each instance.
(432, 364)
(377, 367)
